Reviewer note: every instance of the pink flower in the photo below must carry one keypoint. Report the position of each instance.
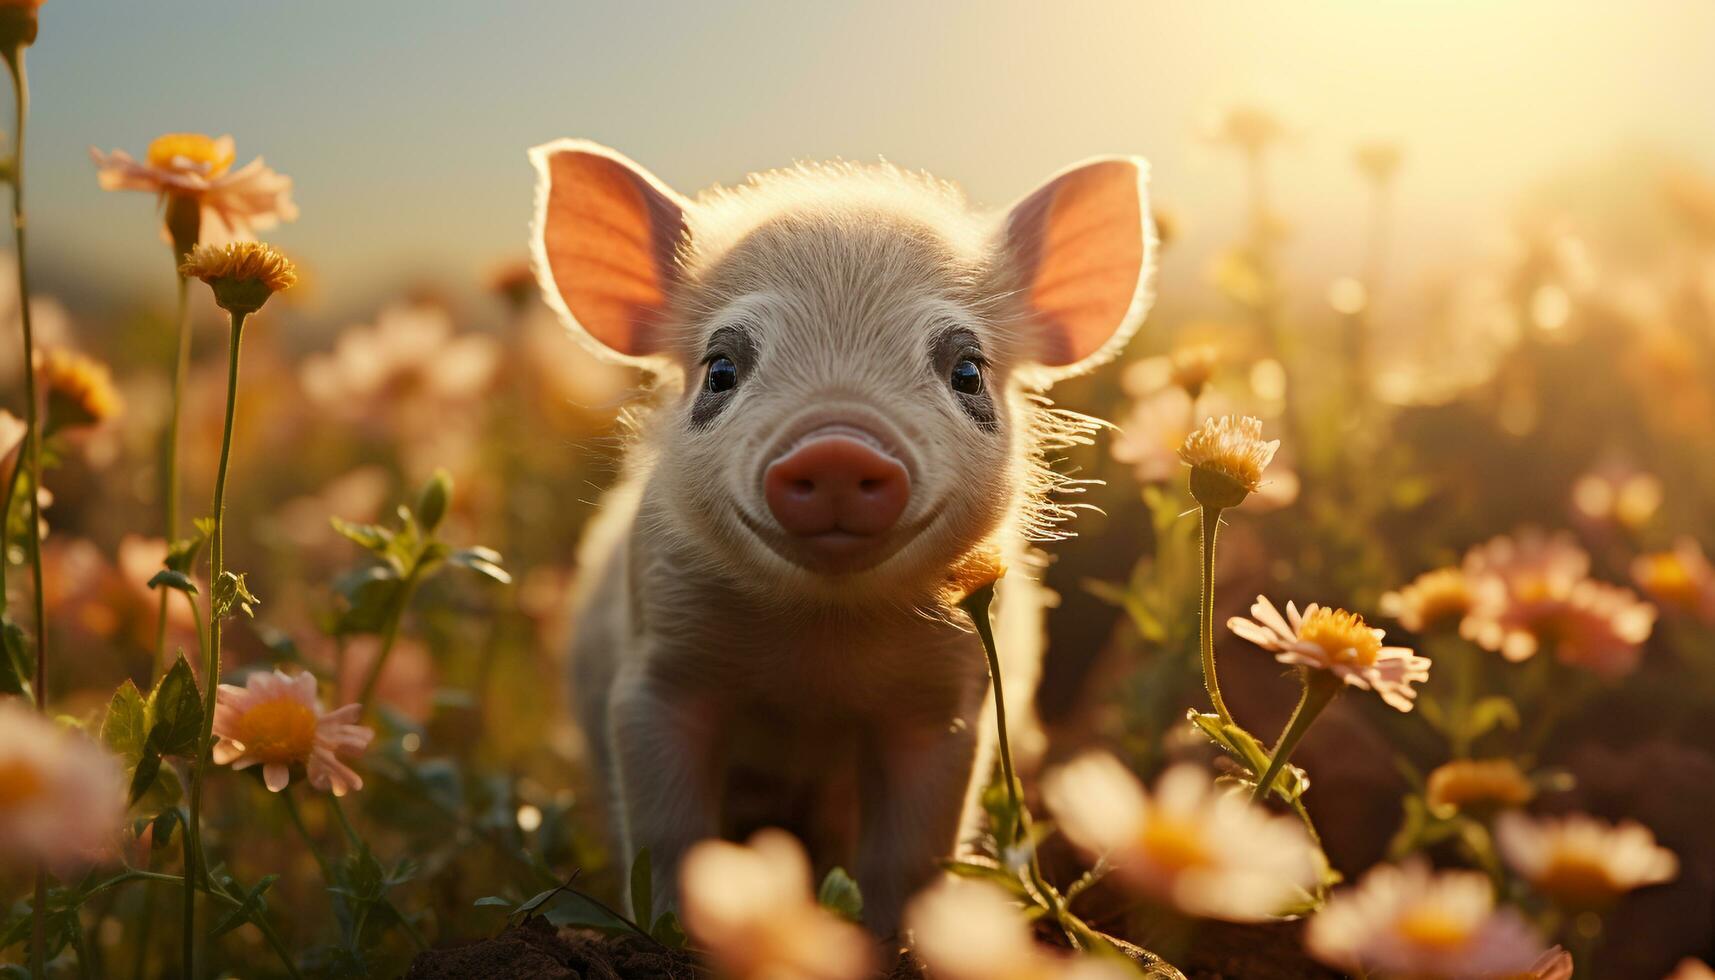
(1323, 638)
(62, 797)
(276, 720)
(1532, 590)
(232, 204)
(1682, 579)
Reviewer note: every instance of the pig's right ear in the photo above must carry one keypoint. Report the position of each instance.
(605, 245)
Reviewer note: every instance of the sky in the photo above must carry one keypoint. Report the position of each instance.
(405, 124)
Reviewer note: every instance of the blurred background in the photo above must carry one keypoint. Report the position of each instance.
(1459, 256)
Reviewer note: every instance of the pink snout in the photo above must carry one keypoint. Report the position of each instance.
(836, 487)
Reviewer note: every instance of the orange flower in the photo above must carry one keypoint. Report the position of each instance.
(205, 199)
(62, 797)
(1478, 784)
(1681, 579)
(79, 389)
(276, 720)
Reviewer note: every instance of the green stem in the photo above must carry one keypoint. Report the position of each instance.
(1320, 686)
(212, 890)
(356, 842)
(32, 456)
(304, 832)
(170, 457)
(1210, 519)
(389, 635)
(195, 865)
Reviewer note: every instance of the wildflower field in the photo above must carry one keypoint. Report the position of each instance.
(1382, 646)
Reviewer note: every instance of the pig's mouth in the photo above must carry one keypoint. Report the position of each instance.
(837, 552)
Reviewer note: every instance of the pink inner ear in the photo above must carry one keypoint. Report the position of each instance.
(609, 238)
(1079, 242)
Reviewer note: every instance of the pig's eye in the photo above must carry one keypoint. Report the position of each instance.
(723, 375)
(967, 378)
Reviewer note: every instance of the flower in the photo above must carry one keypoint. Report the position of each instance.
(12, 432)
(1378, 160)
(1227, 456)
(1531, 591)
(752, 909)
(1478, 784)
(1681, 579)
(18, 24)
(1581, 862)
(206, 200)
(1191, 845)
(276, 720)
(1429, 600)
(1335, 640)
(1691, 969)
(979, 569)
(62, 796)
(1247, 127)
(968, 930)
(1409, 921)
(242, 274)
(79, 389)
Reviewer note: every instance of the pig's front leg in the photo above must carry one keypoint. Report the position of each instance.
(662, 742)
(914, 783)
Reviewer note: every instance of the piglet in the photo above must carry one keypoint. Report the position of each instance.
(847, 409)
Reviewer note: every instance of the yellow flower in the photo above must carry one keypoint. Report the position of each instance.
(1378, 160)
(751, 907)
(979, 568)
(1192, 845)
(1432, 599)
(79, 389)
(1337, 641)
(1581, 862)
(206, 201)
(1227, 456)
(243, 274)
(62, 796)
(1478, 785)
(1409, 921)
(1681, 579)
(275, 721)
(18, 24)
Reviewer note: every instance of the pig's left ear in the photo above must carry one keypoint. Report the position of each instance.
(1081, 251)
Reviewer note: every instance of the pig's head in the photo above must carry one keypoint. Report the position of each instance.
(850, 360)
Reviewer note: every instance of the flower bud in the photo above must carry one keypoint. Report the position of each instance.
(432, 502)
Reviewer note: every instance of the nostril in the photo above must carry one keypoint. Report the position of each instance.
(803, 488)
(870, 485)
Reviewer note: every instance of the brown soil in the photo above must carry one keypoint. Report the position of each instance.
(537, 951)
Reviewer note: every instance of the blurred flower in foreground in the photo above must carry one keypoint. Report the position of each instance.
(242, 274)
(1681, 579)
(1581, 862)
(1531, 592)
(1436, 598)
(79, 390)
(1191, 845)
(1378, 160)
(205, 199)
(1478, 786)
(1408, 921)
(1227, 456)
(1691, 969)
(12, 432)
(1335, 640)
(751, 907)
(62, 796)
(968, 930)
(276, 720)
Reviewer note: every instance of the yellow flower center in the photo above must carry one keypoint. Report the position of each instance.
(1440, 595)
(1432, 928)
(1344, 636)
(1173, 845)
(278, 731)
(190, 153)
(19, 782)
(1578, 880)
(1666, 578)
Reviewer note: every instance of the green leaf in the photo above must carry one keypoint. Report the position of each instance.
(205, 526)
(175, 711)
(983, 871)
(173, 580)
(840, 894)
(182, 554)
(16, 664)
(126, 726)
(369, 594)
(642, 888)
(370, 537)
(483, 561)
(668, 932)
(230, 593)
(143, 777)
(1491, 712)
(492, 902)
